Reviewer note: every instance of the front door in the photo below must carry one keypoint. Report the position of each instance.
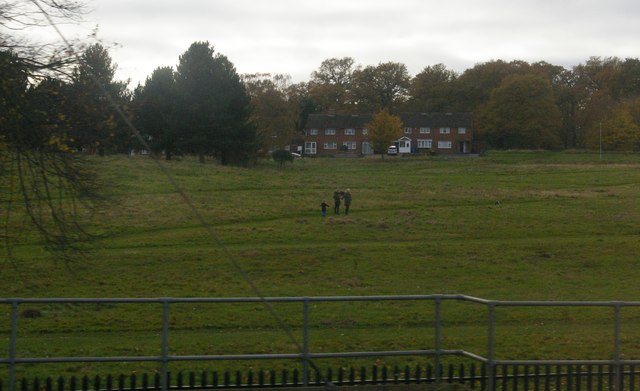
(366, 148)
(404, 145)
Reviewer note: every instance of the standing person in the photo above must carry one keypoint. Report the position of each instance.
(347, 201)
(337, 195)
(324, 208)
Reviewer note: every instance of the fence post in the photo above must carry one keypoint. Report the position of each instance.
(438, 337)
(490, 364)
(12, 345)
(165, 344)
(617, 346)
(305, 342)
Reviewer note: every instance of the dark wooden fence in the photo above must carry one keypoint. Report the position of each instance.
(506, 378)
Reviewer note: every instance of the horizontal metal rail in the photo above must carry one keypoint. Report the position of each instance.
(229, 357)
(285, 299)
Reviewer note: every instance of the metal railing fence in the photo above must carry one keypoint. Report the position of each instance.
(306, 356)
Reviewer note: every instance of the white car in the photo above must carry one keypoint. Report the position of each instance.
(392, 150)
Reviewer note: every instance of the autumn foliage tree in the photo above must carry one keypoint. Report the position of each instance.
(331, 86)
(474, 86)
(383, 129)
(432, 90)
(521, 114)
(608, 94)
(620, 130)
(383, 86)
(274, 110)
(45, 187)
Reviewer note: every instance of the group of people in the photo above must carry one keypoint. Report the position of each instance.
(338, 195)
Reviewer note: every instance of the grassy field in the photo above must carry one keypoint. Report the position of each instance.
(506, 225)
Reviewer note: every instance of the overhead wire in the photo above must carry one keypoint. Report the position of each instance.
(187, 200)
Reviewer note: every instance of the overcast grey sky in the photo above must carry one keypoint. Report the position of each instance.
(295, 36)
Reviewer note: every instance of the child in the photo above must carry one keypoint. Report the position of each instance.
(324, 208)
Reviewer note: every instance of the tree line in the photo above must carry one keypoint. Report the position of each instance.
(515, 104)
(204, 107)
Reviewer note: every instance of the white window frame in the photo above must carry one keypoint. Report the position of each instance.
(313, 132)
(330, 145)
(310, 148)
(445, 130)
(330, 131)
(351, 145)
(443, 144)
(349, 132)
(365, 131)
(424, 143)
(408, 130)
(462, 130)
(425, 130)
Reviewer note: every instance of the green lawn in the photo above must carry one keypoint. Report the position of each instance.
(506, 225)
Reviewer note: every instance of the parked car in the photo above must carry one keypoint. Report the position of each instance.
(296, 155)
(392, 150)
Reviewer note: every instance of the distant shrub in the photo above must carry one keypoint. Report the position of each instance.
(281, 156)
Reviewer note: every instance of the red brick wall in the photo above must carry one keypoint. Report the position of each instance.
(339, 138)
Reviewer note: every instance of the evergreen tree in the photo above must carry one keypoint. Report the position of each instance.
(93, 91)
(213, 107)
(154, 107)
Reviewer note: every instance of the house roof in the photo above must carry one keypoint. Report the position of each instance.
(414, 120)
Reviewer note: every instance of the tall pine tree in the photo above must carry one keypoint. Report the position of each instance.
(92, 91)
(213, 107)
(155, 107)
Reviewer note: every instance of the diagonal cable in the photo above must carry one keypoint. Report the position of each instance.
(233, 261)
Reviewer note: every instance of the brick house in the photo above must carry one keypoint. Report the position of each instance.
(339, 134)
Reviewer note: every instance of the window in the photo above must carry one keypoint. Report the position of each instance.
(349, 144)
(330, 131)
(425, 130)
(365, 131)
(310, 148)
(462, 130)
(349, 131)
(444, 144)
(408, 130)
(330, 145)
(424, 143)
(313, 132)
(445, 130)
